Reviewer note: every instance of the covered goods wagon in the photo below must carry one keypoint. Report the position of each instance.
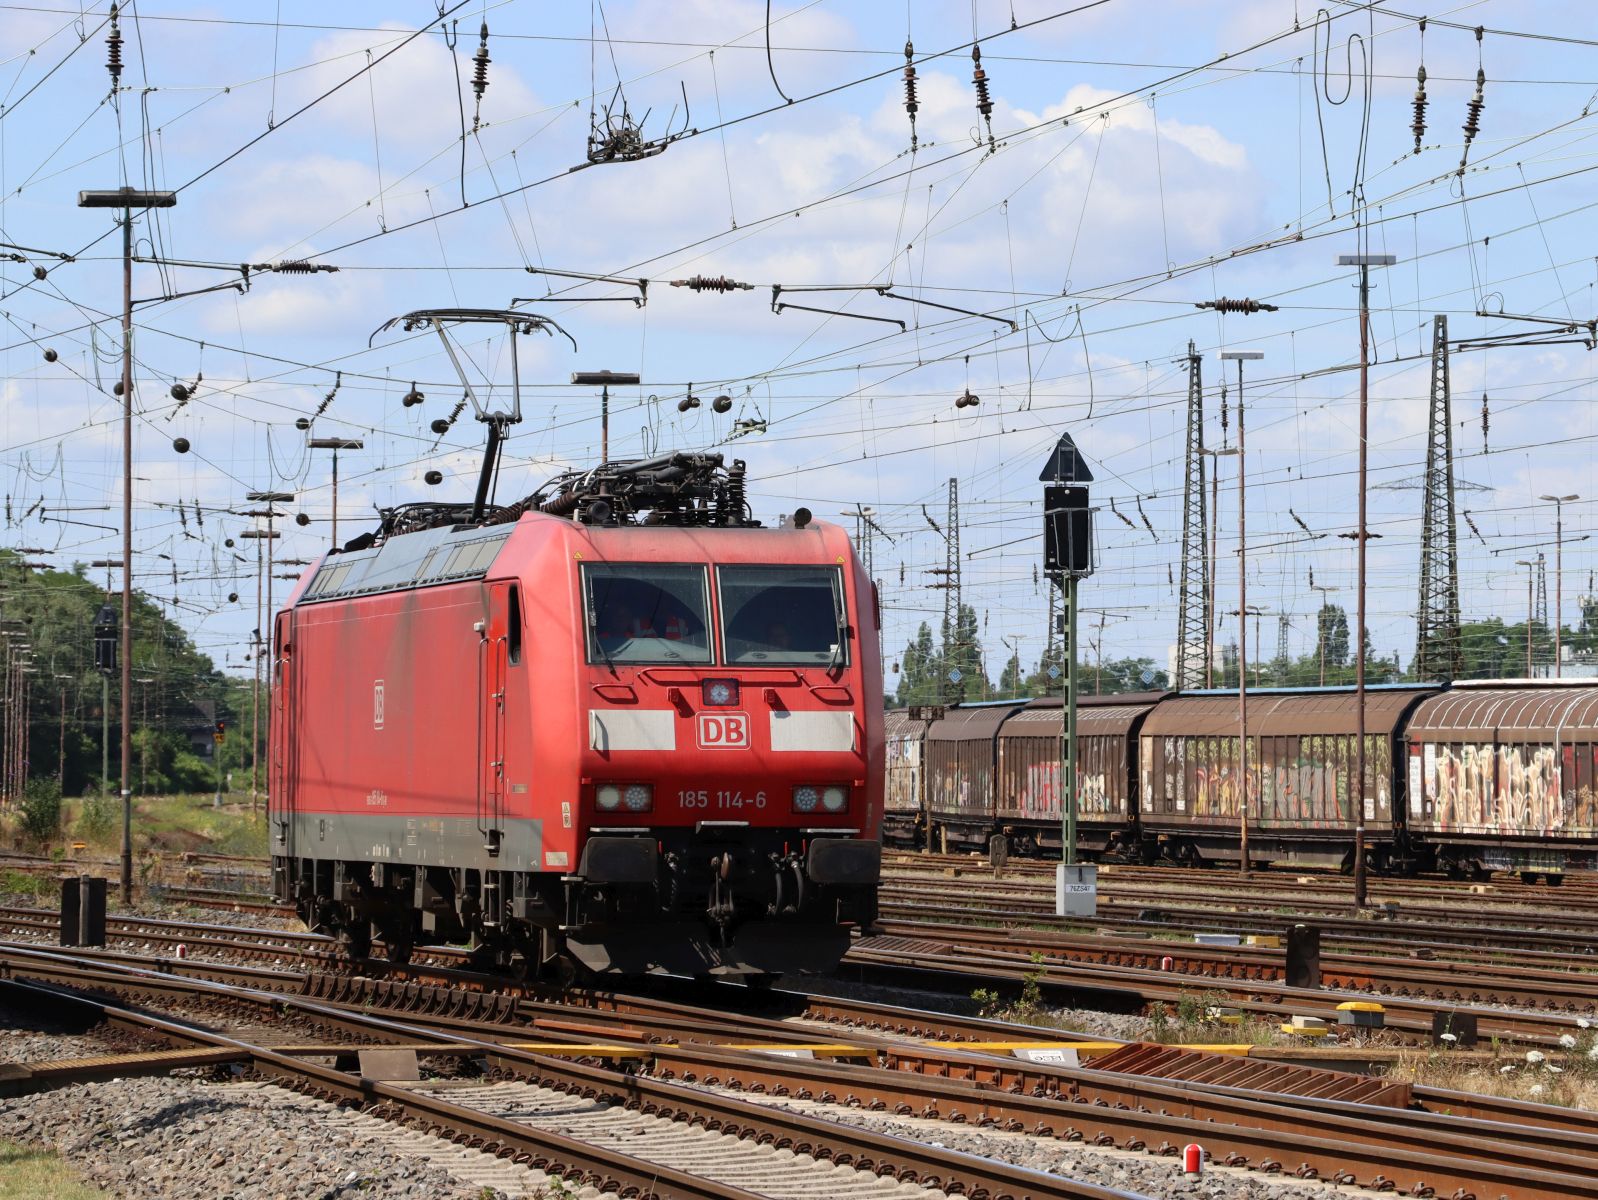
(1301, 792)
(1505, 776)
(1030, 797)
(961, 758)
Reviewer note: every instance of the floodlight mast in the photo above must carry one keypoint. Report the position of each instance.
(1240, 357)
(498, 421)
(1364, 262)
(127, 199)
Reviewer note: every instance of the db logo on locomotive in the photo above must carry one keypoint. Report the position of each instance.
(724, 731)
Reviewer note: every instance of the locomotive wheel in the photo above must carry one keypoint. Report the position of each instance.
(563, 971)
(484, 958)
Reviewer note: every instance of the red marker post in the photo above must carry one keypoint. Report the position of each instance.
(1192, 1160)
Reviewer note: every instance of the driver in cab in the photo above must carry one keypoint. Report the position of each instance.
(622, 622)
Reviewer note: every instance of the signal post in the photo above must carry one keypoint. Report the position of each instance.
(1067, 558)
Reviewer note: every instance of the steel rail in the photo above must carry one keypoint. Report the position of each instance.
(1129, 989)
(1472, 982)
(1132, 916)
(1331, 1137)
(1351, 1143)
(844, 1145)
(554, 1153)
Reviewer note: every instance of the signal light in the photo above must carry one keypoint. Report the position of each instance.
(805, 798)
(106, 635)
(719, 693)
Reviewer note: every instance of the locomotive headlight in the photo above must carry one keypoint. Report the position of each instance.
(608, 796)
(640, 797)
(834, 799)
(805, 798)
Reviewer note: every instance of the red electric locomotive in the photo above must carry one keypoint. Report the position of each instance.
(619, 722)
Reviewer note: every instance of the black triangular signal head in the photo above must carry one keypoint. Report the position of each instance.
(1065, 464)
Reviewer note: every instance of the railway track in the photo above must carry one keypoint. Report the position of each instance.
(1560, 986)
(931, 966)
(1116, 973)
(1157, 916)
(638, 1136)
(1579, 895)
(1485, 1148)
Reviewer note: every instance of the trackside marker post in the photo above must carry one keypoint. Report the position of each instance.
(1192, 1160)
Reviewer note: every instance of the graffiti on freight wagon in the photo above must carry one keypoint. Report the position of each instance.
(1301, 781)
(1509, 789)
(1039, 794)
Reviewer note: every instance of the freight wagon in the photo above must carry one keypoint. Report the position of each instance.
(1464, 778)
(1505, 776)
(1302, 768)
(1029, 804)
(904, 732)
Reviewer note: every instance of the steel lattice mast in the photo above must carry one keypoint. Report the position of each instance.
(1438, 653)
(1193, 611)
(1540, 618)
(952, 648)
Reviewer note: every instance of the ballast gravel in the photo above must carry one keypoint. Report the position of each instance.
(154, 1139)
(1133, 1171)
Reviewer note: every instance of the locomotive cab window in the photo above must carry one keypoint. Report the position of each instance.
(782, 616)
(646, 613)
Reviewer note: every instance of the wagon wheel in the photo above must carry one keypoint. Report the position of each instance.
(354, 940)
(399, 945)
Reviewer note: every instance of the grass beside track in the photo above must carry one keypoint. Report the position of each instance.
(29, 1174)
(162, 825)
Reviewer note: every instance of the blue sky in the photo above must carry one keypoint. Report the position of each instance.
(1145, 156)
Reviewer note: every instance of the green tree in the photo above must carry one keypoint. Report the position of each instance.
(961, 652)
(177, 688)
(1011, 682)
(1493, 650)
(1332, 635)
(918, 671)
(1138, 674)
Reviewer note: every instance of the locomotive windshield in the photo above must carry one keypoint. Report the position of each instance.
(646, 613)
(782, 616)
